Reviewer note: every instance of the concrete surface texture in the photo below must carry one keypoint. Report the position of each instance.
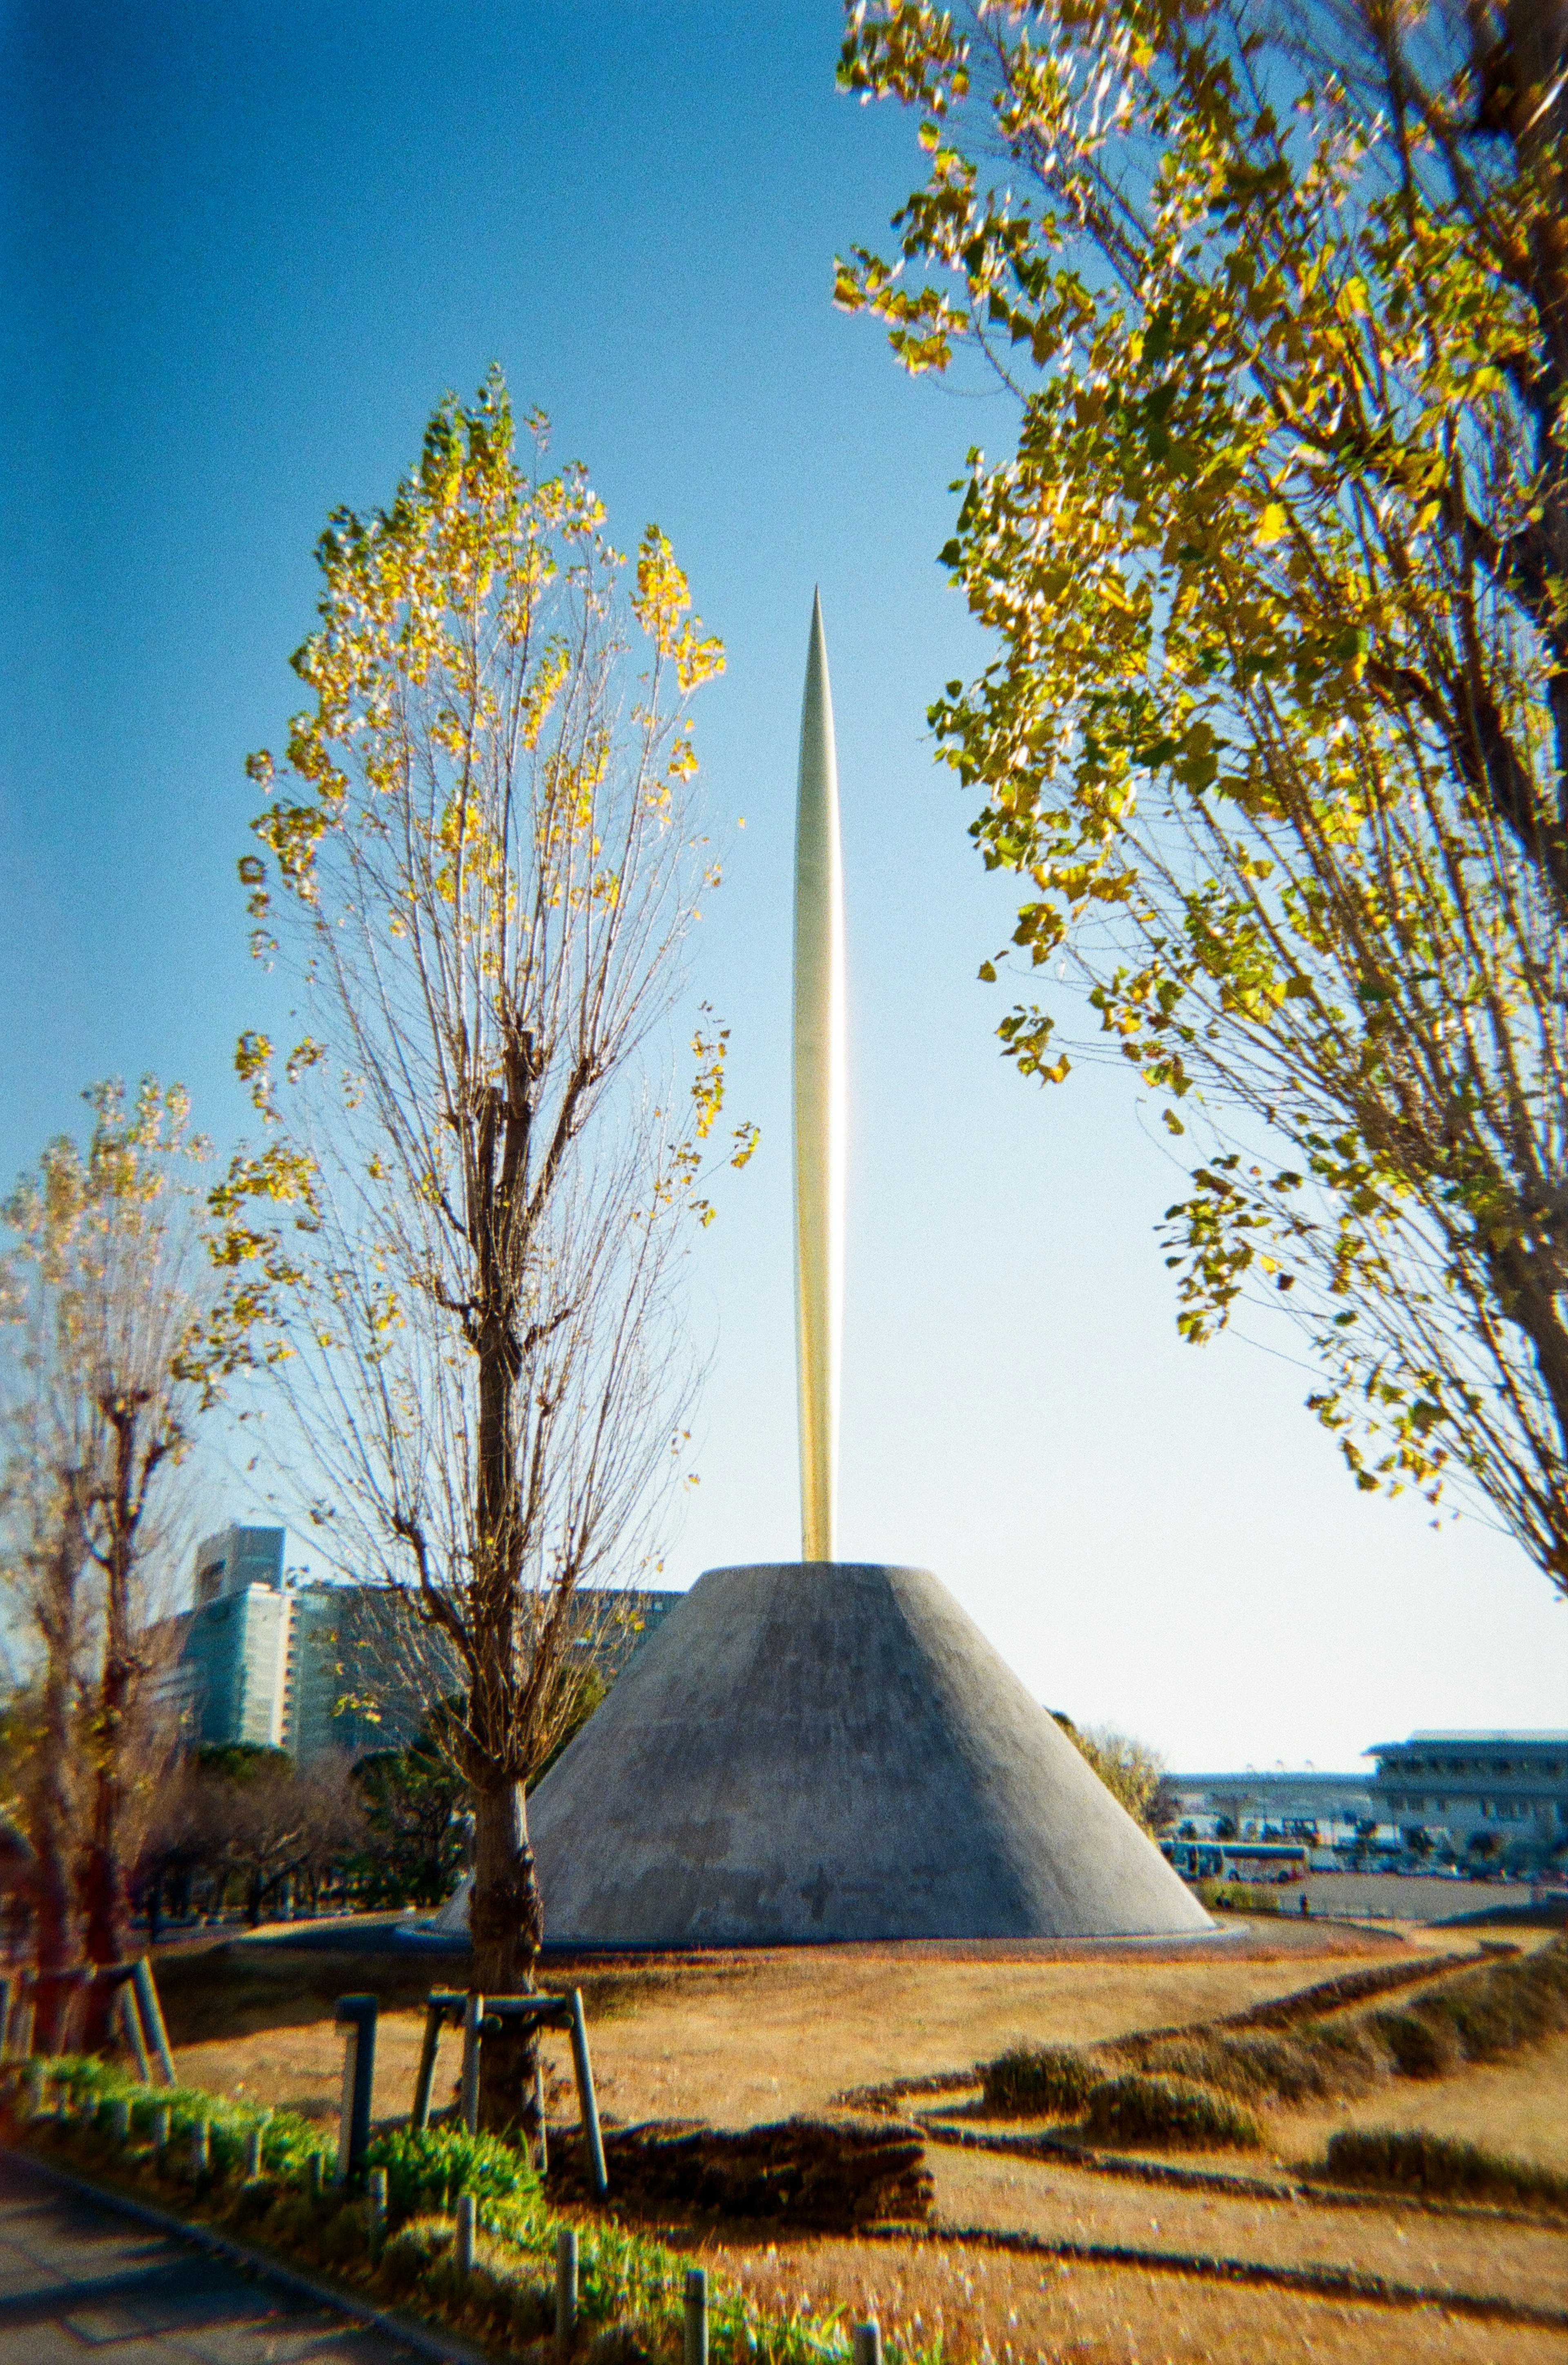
(833, 1750)
(1415, 1897)
(77, 2280)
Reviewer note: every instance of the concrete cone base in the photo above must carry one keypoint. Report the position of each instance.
(833, 1750)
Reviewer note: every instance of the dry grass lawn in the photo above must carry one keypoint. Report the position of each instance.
(1519, 2106)
(1021, 2309)
(744, 2038)
(1451, 2251)
(737, 2039)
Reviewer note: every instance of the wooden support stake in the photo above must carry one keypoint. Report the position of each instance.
(465, 2232)
(152, 2012)
(73, 2019)
(356, 2016)
(694, 2348)
(443, 2006)
(419, 2116)
(473, 2020)
(869, 2342)
(127, 2012)
(587, 2104)
(484, 2016)
(566, 2293)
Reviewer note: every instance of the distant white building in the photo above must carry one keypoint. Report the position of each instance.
(1494, 1794)
(1509, 1787)
(1319, 1810)
(314, 1668)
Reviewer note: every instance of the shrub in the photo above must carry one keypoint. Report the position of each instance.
(1135, 2108)
(1040, 2081)
(414, 2252)
(1304, 2004)
(1306, 2064)
(1438, 2165)
(287, 2140)
(1254, 2067)
(294, 2223)
(424, 2169)
(1477, 2015)
(1238, 1896)
(1496, 2009)
(1422, 2043)
(344, 2237)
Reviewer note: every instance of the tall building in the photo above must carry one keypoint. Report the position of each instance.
(316, 1667)
(237, 1557)
(227, 1672)
(362, 1672)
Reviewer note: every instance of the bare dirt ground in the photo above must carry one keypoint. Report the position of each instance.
(1020, 2309)
(738, 2039)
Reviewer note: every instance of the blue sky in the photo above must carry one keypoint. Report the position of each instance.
(245, 250)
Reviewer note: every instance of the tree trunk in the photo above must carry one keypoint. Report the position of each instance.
(507, 1921)
(50, 1815)
(54, 1937)
(106, 1906)
(105, 1901)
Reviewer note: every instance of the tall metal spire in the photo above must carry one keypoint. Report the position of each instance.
(820, 1105)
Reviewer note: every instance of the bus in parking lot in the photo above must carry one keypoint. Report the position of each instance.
(1259, 1860)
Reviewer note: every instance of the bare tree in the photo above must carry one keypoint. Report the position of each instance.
(103, 1384)
(251, 1815)
(482, 848)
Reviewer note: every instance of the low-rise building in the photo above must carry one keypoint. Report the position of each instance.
(1505, 1787)
(1482, 1796)
(1321, 1810)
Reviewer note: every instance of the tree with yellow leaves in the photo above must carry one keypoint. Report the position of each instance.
(104, 1291)
(1276, 727)
(480, 861)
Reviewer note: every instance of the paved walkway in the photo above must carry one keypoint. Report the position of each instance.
(78, 2280)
